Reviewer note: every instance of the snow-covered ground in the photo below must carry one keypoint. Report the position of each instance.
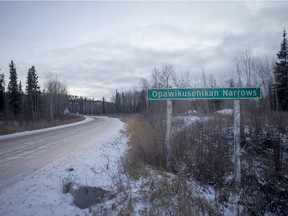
(41, 192)
(225, 112)
(97, 166)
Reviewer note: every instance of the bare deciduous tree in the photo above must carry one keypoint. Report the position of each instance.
(182, 80)
(56, 92)
(264, 75)
(245, 68)
(163, 78)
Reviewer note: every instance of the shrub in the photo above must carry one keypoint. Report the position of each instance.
(146, 141)
(264, 163)
(202, 150)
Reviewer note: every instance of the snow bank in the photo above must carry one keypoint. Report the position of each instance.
(25, 133)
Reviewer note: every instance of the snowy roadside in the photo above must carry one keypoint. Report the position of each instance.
(25, 133)
(100, 166)
(41, 193)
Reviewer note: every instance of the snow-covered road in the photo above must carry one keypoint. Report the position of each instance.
(33, 165)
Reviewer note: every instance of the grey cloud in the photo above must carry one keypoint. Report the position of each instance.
(192, 36)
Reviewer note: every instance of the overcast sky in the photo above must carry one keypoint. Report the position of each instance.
(98, 47)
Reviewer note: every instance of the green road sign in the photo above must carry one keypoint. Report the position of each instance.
(203, 93)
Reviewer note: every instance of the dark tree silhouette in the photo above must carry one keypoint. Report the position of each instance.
(281, 76)
(13, 91)
(33, 93)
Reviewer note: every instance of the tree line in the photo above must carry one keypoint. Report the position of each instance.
(86, 106)
(31, 103)
(247, 70)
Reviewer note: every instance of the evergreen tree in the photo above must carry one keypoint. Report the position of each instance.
(20, 98)
(33, 93)
(103, 106)
(118, 102)
(2, 94)
(281, 76)
(13, 90)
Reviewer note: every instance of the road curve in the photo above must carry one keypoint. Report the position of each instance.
(24, 153)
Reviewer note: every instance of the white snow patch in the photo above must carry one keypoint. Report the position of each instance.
(187, 119)
(225, 112)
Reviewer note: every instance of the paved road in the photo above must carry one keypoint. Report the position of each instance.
(24, 153)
